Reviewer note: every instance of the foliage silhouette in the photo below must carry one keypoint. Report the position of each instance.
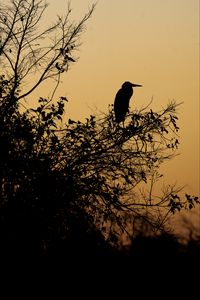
(31, 54)
(69, 189)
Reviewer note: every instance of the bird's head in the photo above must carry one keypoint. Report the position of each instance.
(128, 84)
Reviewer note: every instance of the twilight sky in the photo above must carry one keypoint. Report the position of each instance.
(151, 42)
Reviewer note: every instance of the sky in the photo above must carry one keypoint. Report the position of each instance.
(150, 42)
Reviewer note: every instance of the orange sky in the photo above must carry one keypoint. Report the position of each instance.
(151, 42)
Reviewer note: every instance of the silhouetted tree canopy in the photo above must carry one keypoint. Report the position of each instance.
(70, 186)
(31, 53)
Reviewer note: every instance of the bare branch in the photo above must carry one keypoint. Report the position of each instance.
(26, 49)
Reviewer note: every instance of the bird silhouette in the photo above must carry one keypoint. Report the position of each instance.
(122, 98)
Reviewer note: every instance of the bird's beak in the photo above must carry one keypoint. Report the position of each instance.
(133, 84)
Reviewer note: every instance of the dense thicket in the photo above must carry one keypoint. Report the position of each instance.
(70, 188)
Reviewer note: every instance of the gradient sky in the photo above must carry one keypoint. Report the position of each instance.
(151, 42)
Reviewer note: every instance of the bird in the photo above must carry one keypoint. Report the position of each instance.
(122, 98)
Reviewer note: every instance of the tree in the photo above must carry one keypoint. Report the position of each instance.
(26, 49)
(72, 185)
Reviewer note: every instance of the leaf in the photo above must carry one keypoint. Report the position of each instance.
(191, 206)
(71, 121)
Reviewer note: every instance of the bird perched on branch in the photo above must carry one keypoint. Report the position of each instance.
(122, 98)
